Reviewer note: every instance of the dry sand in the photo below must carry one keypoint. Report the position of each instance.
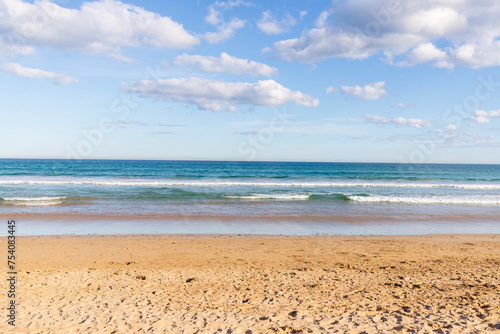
(257, 284)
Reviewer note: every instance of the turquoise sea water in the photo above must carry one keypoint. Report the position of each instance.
(108, 196)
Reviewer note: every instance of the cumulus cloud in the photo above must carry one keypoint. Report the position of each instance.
(224, 31)
(425, 53)
(450, 127)
(100, 27)
(214, 16)
(441, 32)
(218, 95)
(225, 64)
(25, 72)
(373, 91)
(271, 26)
(400, 105)
(482, 117)
(398, 121)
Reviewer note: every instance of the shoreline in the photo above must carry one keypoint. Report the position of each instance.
(92, 224)
(347, 218)
(262, 283)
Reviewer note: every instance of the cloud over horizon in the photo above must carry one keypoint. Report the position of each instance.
(398, 121)
(218, 95)
(482, 117)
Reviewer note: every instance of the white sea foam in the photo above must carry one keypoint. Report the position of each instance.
(282, 197)
(445, 199)
(36, 203)
(210, 183)
(33, 201)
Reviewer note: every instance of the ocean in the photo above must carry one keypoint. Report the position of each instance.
(124, 197)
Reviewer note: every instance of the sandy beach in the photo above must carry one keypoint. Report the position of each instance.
(256, 284)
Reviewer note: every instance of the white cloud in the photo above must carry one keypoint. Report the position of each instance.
(25, 72)
(435, 19)
(427, 52)
(271, 26)
(482, 117)
(233, 3)
(9, 47)
(225, 64)
(321, 20)
(398, 121)
(373, 91)
(479, 54)
(100, 27)
(400, 105)
(466, 139)
(319, 44)
(224, 31)
(302, 13)
(493, 113)
(450, 127)
(442, 32)
(331, 89)
(220, 95)
(214, 16)
(449, 138)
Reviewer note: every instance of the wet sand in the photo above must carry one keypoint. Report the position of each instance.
(347, 218)
(256, 284)
(386, 224)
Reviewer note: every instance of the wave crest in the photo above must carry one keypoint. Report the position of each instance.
(445, 199)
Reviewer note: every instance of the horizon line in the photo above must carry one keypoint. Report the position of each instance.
(254, 161)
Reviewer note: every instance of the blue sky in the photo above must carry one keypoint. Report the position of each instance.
(364, 80)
